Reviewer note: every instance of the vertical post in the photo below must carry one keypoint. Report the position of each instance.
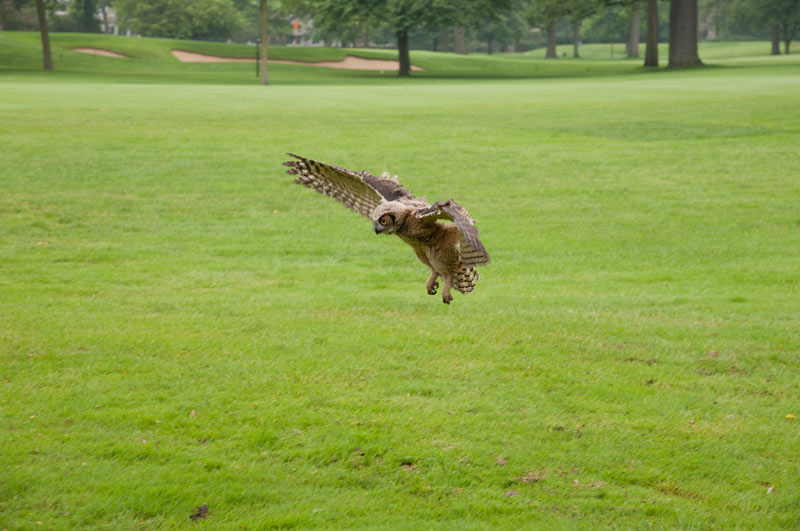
(258, 58)
(264, 43)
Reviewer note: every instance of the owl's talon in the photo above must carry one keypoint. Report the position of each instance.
(432, 288)
(447, 299)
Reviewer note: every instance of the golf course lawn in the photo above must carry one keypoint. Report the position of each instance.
(181, 325)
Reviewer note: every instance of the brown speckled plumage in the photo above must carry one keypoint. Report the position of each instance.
(450, 250)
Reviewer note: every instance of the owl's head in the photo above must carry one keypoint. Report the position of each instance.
(388, 217)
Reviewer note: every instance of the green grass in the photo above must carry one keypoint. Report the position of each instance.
(182, 325)
(150, 61)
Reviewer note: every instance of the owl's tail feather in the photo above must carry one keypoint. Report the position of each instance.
(466, 279)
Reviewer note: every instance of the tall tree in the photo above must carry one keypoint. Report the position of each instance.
(47, 57)
(632, 47)
(551, 52)
(83, 12)
(460, 39)
(264, 43)
(545, 14)
(343, 20)
(474, 14)
(180, 19)
(632, 30)
(787, 15)
(397, 15)
(5, 7)
(576, 38)
(782, 17)
(775, 36)
(683, 27)
(104, 5)
(576, 11)
(401, 16)
(442, 43)
(651, 47)
(501, 30)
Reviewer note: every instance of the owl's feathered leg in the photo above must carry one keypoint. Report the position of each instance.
(431, 284)
(446, 297)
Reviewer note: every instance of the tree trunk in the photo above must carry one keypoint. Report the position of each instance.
(776, 41)
(444, 40)
(651, 47)
(489, 46)
(87, 16)
(633, 42)
(46, 56)
(460, 40)
(576, 38)
(402, 52)
(366, 36)
(5, 7)
(264, 43)
(683, 25)
(104, 16)
(551, 41)
(787, 32)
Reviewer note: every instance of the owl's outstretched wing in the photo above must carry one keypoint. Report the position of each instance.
(470, 246)
(358, 191)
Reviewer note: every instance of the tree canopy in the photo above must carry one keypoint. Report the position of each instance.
(182, 19)
(401, 16)
(441, 25)
(780, 17)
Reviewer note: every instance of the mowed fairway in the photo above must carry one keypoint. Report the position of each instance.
(180, 324)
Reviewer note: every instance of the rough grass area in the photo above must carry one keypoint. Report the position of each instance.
(182, 325)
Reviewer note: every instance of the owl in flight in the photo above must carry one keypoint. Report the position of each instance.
(450, 250)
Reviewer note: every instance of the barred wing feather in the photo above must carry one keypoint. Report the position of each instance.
(358, 191)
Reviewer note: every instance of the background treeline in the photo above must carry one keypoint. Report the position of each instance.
(459, 25)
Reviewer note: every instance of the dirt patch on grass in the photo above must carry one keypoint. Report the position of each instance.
(100, 51)
(350, 62)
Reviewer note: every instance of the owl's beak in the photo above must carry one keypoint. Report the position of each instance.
(378, 228)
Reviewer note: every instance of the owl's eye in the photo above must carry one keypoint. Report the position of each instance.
(383, 221)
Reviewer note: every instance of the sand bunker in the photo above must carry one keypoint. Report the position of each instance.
(99, 51)
(350, 62)
(191, 57)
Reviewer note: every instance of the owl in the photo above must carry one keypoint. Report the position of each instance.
(450, 250)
